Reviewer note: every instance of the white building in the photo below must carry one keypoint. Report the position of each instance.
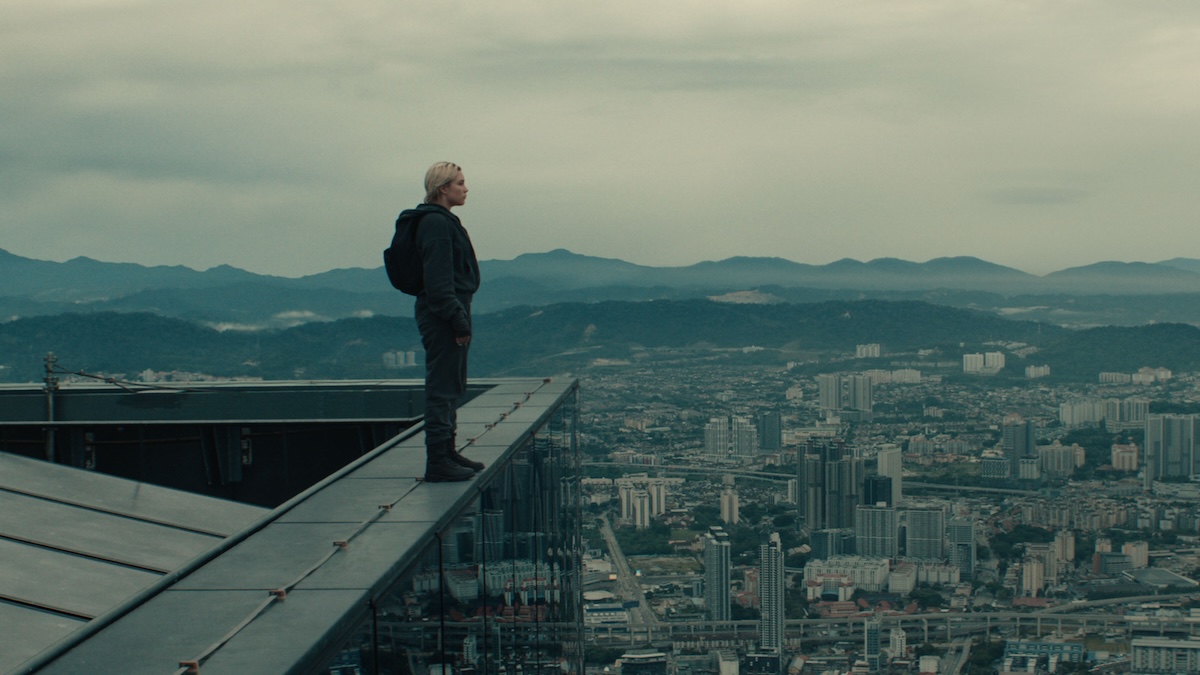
(869, 574)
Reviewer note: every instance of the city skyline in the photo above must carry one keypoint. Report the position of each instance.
(1040, 137)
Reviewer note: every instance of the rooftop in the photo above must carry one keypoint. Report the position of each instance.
(162, 579)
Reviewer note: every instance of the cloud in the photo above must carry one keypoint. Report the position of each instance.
(206, 133)
(1037, 196)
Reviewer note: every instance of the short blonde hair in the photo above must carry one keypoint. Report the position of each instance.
(438, 176)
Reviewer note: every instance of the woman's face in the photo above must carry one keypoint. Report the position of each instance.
(455, 193)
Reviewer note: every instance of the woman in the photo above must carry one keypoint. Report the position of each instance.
(443, 311)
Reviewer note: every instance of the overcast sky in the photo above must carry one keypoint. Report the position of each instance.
(283, 137)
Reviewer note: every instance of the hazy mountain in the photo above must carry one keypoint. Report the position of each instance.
(1122, 277)
(225, 295)
(1186, 264)
(570, 336)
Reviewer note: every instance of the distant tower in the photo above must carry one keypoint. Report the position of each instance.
(729, 506)
(771, 595)
(875, 531)
(1018, 441)
(848, 396)
(1064, 546)
(716, 574)
(925, 532)
(770, 431)
(641, 509)
(889, 464)
(743, 436)
(898, 646)
(1170, 446)
(717, 439)
(830, 484)
(724, 436)
(625, 496)
(872, 644)
(877, 490)
(961, 533)
(658, 496)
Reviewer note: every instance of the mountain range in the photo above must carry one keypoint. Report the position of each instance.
(1105, 293)
(568, 337)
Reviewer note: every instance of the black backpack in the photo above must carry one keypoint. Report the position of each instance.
(402, 260)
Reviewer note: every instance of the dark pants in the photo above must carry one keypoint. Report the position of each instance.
(445, 372)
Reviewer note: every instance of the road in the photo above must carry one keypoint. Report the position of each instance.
(627, 583)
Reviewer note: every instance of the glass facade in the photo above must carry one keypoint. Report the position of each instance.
(498, 590)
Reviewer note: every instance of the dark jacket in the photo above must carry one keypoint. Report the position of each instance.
(450, 269)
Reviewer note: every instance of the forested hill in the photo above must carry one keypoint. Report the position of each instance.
(566, 337)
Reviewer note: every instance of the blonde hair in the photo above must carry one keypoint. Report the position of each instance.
(438, 176)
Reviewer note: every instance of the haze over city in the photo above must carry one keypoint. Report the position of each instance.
(283, 138)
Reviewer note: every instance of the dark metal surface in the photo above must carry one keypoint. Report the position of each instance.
(326, 586)
(75, 543)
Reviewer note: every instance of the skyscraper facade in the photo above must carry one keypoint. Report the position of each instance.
(717, 437)
(743, 436)
(729, 506)
(877, 490)
(1018, 442)
(771, 594)
(1170, 446)
(716, 574)
(888, 463)
(961, 534)
(730, 435)
(830, 483)
(872, 644)
(925, 532)
(770, 431)
(876, 531)
(847, 396)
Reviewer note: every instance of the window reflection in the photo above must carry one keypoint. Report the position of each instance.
(498, 590)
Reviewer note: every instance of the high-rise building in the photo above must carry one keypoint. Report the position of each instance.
(877, 490)
(717, 437)
(925, 531)
(717, 440)
(898, 643)
(830, 484)
(625, 496)
(1125, 457)
(847, 396)
(770, 431)
(888, 463)
(1138, 552)
(1064, 546)
(730, 435)
(729, 506)
(743, 436)
(716, 574)
(641, 509)
(1018, 441)
(961, 534)
(876, 531)
(827, 544)
(872, 644)
(1170, 446)
(771, 586)
(657, 490)
(1033, 576)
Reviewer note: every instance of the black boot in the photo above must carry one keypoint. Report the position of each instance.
(440, 468)
(459, 459)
